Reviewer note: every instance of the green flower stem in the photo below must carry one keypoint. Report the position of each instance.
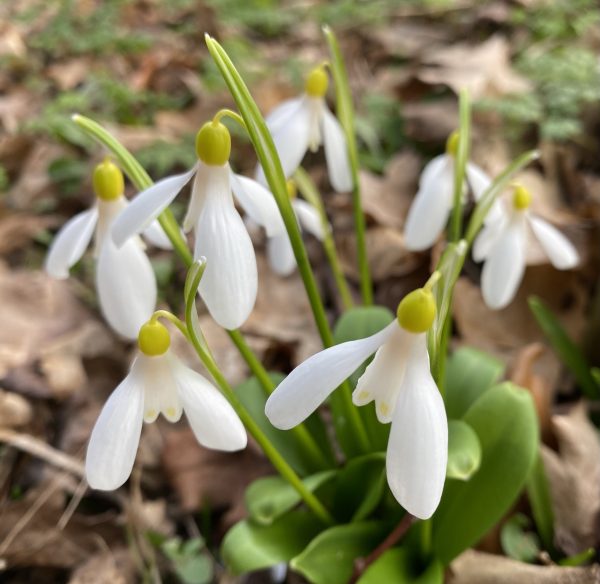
(267, 155)
(345, 114)
(460, 164)
(140, 178)
(313, 196)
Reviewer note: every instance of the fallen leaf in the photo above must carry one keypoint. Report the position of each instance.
(109, 567)
(15, 410)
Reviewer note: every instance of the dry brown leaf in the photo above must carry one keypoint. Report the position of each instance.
(68, 75)
(431, 122)
(474, 567)
(18, 229)
(574, 477)
(484, 70)
(15, 410)
(109, 567)
(409, 39)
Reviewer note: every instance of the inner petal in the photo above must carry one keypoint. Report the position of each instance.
(160, 392)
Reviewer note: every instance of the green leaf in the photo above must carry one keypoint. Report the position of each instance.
(568, 352)
(518, 543)
(358, 323)
(464, 451)
(505, 422)
(469, 373)
(398, 567)
(189, 563)
(329, 558)
(538, 492)
(359, 487)
(248, 546)
(270, 497)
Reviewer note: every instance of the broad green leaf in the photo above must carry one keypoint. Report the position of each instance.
(398, 567)
(469, 373)
(505, 422)
(358, 323)
(270, 497)
(566, 349)
(248, 546)
(329, 558)
(464, 451)
(359, 487)
(517, 542)
(191, 565)
(253, 398)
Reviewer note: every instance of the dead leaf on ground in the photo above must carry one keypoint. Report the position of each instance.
(574, 476)
(109, 567)
(15, 410)
(474, 567)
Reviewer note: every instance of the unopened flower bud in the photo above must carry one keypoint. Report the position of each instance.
(213, 144)
(108, 181)
(416, 311)
(317, 82)
(154, 339)
(521, 198)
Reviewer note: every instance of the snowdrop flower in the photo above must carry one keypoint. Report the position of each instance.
(502, 245)
(405, 394)
(125, 281)
(279, 249)
(158, 383)
(229, 284)
(304, 123)
(432, 204)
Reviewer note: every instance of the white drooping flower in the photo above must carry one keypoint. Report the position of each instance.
(125, 281)
(400, 382)
(304, 123)
(502, 246)
(432, 204)
(279, 248)
(229, 284)
(158, 383)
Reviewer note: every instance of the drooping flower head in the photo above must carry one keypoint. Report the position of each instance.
(158, 383)
(229, 284)
(304, 123)
(125, 281)
(502, 246)
(400, 382)
(432, 204)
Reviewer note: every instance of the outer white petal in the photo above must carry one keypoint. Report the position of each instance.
(291, 136)
(433, 168)
(429, 211)
(336, 152)
(503, 270)
(560, 251)
(156, 235)
(212, 419)
(147, 206)
(309, 218)
(279, 115)
(198, 197)
(417, 451)
(258, 202)
(281, 255)
(307, 386)
(70, 243)
(478, 179)
(126, 286)
(487, 237)
(116, 435)
(229, 284)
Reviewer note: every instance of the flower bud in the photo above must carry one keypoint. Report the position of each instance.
(153, 339)
(213, 144)
(317, 82)
(452, 143)
(108, 181)
(521, 198)
(416, 311)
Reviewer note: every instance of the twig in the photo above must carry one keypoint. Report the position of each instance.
(361, 564)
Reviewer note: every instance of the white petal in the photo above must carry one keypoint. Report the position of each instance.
(116, 435)
(126, 286)
(307, 386)
(560, 251)
(198, 197)
(212, 419)
(229, 284)
(503, 270)
(336, 152)
(281, 255)
(160, 391)
(430, 209)
(309, 218)
(70, 243)
(383, 377)
(433, 168)
(156, 235)
(291, 137)
(487, 237)
(279, 115)
(258, 202)
(417, 451)
(147, 206)
(478, 179)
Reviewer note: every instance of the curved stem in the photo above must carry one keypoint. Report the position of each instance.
(230, 114)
